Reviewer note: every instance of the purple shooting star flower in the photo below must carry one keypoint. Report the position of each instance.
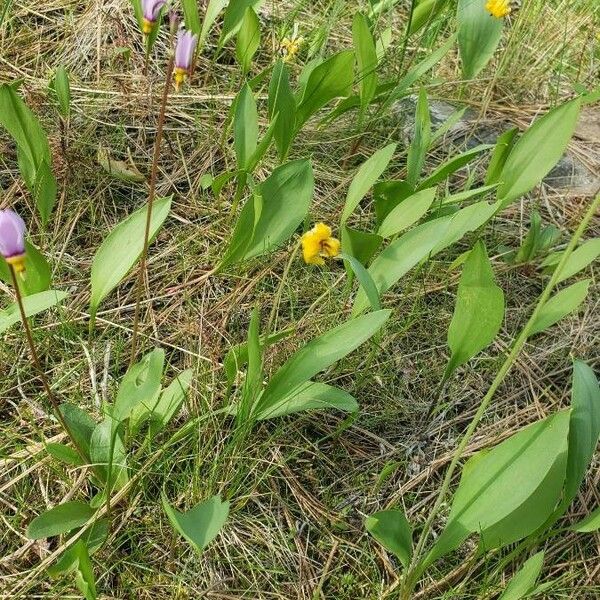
(150, 10)
(184, 53)
(12, 239)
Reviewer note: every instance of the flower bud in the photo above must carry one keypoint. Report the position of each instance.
(184, 54)
(150, 10)
(12, 239)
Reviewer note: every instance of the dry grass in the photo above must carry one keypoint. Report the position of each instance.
(300, 486)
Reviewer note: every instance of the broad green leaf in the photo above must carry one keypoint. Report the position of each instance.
(64, 453)
(584, 429)
(586, 254)
(366, 58)
(478, 312)
(166, 406)
(60, 519)
(61, 87)
(366, 176)
(319, 354)
(425, 12)
(81, 425)
(271, 217)
(245, 127)
(84, 574)
(478, 36)
(44, 191)
(590, 524)
(34, 304)
(365, 280)
(213, 10)
(201, 524)
(282, 105)
(107, 454)
(496, 483)
(467, 194)
(140, 385)
(37, 275)
(248, 39)
(537, 151)
(191, 16)
(421, 141)
(311, 396)
(407, 213)
(263, 145)
(121, 249)
(25, 129)
(234, 15)
(329, 80)
(524, 579)
(502, 149)
(560, 305)
(393, 531)
(362, 245)
(387, 195)
(452, 165)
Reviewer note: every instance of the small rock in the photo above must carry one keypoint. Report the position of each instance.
(570, 173)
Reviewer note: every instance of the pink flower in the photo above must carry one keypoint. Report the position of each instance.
(150, 10)
(184, 54)
(12, 238)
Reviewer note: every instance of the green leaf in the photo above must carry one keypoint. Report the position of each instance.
(282, 105)
(560, 305)
(364, 179)
(64, 454)
(140, 385)
(310, 396)
(496, 483)
(121, 249)
(421, 141)
(361, 245)
(502, 149)
(387, 195)
(81, 425)
(425, 12)
(34, 304)
(365, 280)
(107, 454)
(245, 127)
(537, 151)
(393, 531)
(478, 36)
(119, 169)
(44, 191)
(524, 580)
(590, 524)
(269, 220)
(366, 57)
(234, 15)
(452, 165)
(191, 16)
(319, 354)
(201, 524)
(248, 39)
(61, 87)
(213, 10)
(84, 574)
(478, 312)
(25, 129)
(584, 428)
(37, 275)
(467, 195)
(329, 80)
(586, 254)
(60, 519)
(407, 213)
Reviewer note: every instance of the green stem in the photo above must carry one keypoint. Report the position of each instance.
(415, 568)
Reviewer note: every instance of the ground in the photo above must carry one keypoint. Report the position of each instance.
(301, 486)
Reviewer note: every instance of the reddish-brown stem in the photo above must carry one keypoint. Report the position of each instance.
(151, 195)
(38, 365)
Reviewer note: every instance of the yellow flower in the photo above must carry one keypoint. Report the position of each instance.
(290, 46)
(318, 244)
(498, 8)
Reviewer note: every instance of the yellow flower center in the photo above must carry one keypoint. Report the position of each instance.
(180, 75)
(17, 262)
(147, 26)
(318, 244)
(289, 47)
(498, 8)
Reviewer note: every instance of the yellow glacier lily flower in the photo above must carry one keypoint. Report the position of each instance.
(498, 8)
(318, 244)
(290, 46)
